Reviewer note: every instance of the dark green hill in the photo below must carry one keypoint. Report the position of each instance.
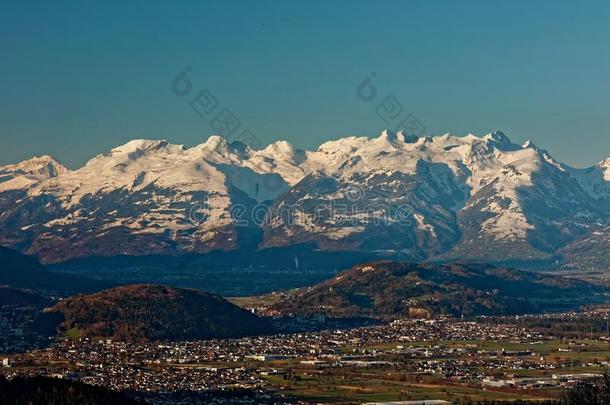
(152, 312)
(391, 290)
(13, 297)
(21, 271)
(45, 390)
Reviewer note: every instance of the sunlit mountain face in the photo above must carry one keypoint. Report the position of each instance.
(443, 197)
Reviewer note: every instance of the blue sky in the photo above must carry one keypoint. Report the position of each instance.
(81, 77)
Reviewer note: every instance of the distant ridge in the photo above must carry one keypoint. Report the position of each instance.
(434, 197)
(25, 272)
(13, 297)
(391, 290)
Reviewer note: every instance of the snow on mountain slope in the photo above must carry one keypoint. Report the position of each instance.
(445, 196)
(526, 211)
(595, 181)
(165, 196)
(499, 198)
(604, 166)
(30, 171)
(143, 163)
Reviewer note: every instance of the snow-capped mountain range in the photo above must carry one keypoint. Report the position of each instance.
(443, 197)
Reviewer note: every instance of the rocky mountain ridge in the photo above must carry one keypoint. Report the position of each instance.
(444, 197)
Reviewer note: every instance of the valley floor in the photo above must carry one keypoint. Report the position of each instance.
(443, 359)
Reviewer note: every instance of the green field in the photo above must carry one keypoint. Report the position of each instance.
(376, 387)
(388, 384)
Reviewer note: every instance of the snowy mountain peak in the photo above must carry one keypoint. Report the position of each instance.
(388, 139)
(498, 137)
(45, 165)
(500, 141)
(24, 174)
(407, 137)
(216, 143)
(461, 190)
(239, 148)
(389, 135)
(142, 145)
(215, 148)
(604, 163)
(280, 147)
(529, 145)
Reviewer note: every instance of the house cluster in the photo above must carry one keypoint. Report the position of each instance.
(441, 349)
